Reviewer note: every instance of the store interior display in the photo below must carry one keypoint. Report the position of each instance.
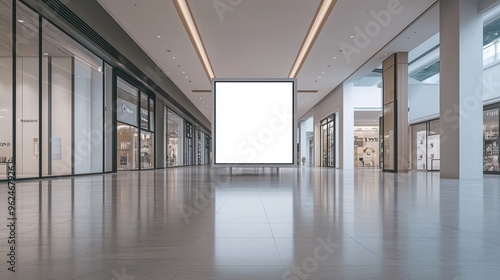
(328, 141)
(491, 140)
(174, 139)
(366, 146)
(426, 145)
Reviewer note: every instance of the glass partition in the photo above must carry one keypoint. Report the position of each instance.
(6, 139)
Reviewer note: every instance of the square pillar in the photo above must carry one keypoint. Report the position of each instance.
(461, 97)
(395, 119)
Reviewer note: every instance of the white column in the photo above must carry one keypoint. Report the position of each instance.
(347, 128)
(461, 106)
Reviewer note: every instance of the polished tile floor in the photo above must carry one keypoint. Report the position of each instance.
(203, 223)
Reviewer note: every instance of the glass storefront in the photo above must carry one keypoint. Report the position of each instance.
(6, 140)
(366, 146)
(200, 141)
(328, 141)
(135, 145)
(490, 139)
(189, 158)
(65, 111)
(59, 99)
(174, 139)
(208, 150)
(389, 140)
(426, 146)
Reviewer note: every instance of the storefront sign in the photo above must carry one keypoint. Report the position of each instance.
(371, 139)
(127, 112)
(29, 120)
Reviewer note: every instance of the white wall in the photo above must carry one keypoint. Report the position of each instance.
(367, 97)
(305, 126)
(339, 101)
(423, 101)
(491, 86)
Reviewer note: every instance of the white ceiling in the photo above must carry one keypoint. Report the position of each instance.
(261, 39)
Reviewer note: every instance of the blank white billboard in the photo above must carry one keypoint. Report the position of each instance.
(254, 122)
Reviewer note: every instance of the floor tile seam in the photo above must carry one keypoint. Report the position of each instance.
(366, 248)
(222, 206)
(270, 228)
(177, 271)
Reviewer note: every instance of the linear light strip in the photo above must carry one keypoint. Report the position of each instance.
(320, 18)
(186, 15)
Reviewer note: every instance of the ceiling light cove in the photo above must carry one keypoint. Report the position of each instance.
(184, 11)
(322, 14)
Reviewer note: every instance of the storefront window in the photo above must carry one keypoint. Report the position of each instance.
(426, 145)
(28, 94)
(328, 141)
(366, 146)
(144, 111)
(128, 147)
(175, 139)
(147, 150)
(126, 104)
(491, 141)
(189, 144)
(151, 114)
(389, 137)
(6, 139)
(207, 150)
(73, 104)
(200, 147)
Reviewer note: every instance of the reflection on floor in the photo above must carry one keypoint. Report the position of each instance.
(306, 223)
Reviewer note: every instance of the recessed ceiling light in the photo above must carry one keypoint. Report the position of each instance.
(352, 36)
(203, 102)
(187, 77)
(322, 14)
(183, 72)
(308, 98)
(20, 20)
(45, 53)
(158, 36)
(173, 57)
(322, 72)
(334, 57)
(319, 77)
(201, 97)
